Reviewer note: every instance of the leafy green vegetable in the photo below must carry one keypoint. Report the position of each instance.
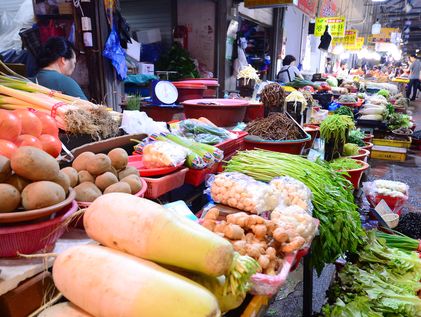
(344, 164)
(385, 93)
(351, 149)
(300, 83)
(356, 137)
(398, 241)
(398, 120)
(332, 81)
(189, 126)
(340, 225)
(335, 128)
(358, 307)
(346, 111)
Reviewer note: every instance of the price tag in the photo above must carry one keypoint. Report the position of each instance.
(382, 208)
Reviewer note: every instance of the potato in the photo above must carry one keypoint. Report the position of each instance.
(129, 170)
(120, 187)
(63, 180)
(119, 158)
(85, 176)
(5, 169)
(34, 164)
(134, 183)
(104, 180)
(18, 182)
(99, 164)
(9, 198)
(80, 162)
(113, 170)
(42, 194)
(72, 175)
(87, 192)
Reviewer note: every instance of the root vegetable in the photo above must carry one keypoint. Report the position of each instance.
(63, 180)
(72, 175)
(129, 170)
(294, 245)
(119, 158)
(18, 182)
(280, 235)
(42, 194)
(104, 180)
(127, 286)
(87, 192)
(233, 232)
(134, 183)
(5, 169)
(212, 213)
(220, 227)
(253, 250)
(117, 220)
(9, 198)
(120, 187)
(34, 164)
(239, 218)
(64, 310)
(250, 237)
(271, 253)
(81, 161)
(99, 164)
(85, 176)
(259, 231)
(240, 246)
(209, 224)
(263, 261)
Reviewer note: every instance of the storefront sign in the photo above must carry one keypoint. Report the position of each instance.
(336, 26)
(327, 8)
(266, 3)
(385, 36)
(359, 43)
(309, 7)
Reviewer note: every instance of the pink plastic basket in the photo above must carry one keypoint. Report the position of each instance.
(162, 185)
(33, 237)
(233, 145)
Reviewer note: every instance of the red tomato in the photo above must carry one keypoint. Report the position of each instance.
(30, 122)
(7, 148)
(49, 125)
(10, 125)
(50, 144)
(28, 140)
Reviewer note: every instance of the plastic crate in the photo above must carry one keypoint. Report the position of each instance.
(197, 177)
(389, 153)
(231, 146)
(162, 185)
(394, 143)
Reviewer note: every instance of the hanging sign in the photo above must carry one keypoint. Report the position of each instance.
(385, 35)
(309, 7)
(359, 43)
(336, 26)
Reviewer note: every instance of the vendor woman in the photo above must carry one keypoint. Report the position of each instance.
(57, 61)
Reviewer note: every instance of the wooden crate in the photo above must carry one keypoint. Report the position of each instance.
(389, 153)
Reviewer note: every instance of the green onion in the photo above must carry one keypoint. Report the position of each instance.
(399, 241)
(340, 225)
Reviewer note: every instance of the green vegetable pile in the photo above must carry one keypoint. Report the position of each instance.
(351, 149)
(300, 83)
(345, 111)
(340, 225)
(344, 164)
(398, 120)
(356, 137)
(383, 281)
(385, 93)
(399, 241)
(335, 128)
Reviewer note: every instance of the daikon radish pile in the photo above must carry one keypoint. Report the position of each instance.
(64, 310)
(148, 230)
(109, 283)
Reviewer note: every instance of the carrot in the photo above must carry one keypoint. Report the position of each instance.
(145, 229)
(109, 283)
(64, 310)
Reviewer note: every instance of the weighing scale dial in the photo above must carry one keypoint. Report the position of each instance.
(166, 92)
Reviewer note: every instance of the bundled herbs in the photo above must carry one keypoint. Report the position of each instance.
(345, 111)
(410, 225)
(383, 281)
(277, 126)
(399, 241)
(398, 120)
(356, 136)
(344, 164)
(334, 129)
(340, 225)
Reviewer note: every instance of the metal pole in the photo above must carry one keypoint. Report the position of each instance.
(307, 286)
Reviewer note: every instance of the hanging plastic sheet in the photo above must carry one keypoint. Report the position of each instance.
(115, 53)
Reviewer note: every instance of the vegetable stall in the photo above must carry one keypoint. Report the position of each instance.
(207, 219)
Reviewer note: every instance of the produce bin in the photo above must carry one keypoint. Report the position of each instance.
(163, 113)
(362, 155)
(289, 146)
(222, 112)
(314, 131)
(368, 138)
(197, 177)
(355, 175)
(162, 185)
(187, 91)
(231, 146)
(254, 111)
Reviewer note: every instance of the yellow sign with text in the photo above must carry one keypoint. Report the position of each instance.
(349, 39)
(359, 43)
(384, 36)
(336, 26)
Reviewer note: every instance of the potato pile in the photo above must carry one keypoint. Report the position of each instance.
(31, 179)
(92, 175)
(255, 236)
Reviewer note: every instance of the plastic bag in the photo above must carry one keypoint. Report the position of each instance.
(290, 192)
(242, 192)
(395, 194)
(296, 222)
(163, 154)
(207, 138)
(115, 53)
(190, 126)
(134, 122)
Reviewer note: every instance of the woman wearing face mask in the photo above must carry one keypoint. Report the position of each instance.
(289, 71)
(57, 60)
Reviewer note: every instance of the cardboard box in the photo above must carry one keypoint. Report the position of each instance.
(146, 69)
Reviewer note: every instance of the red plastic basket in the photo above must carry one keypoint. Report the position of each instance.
(356, 174)
(233, 145)
(197, 177)
(33, 237)
(162, 185)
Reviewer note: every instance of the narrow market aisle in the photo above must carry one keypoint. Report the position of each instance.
(288, 302)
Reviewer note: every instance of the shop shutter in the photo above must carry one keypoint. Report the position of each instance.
(149, 14)
(10, 6)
